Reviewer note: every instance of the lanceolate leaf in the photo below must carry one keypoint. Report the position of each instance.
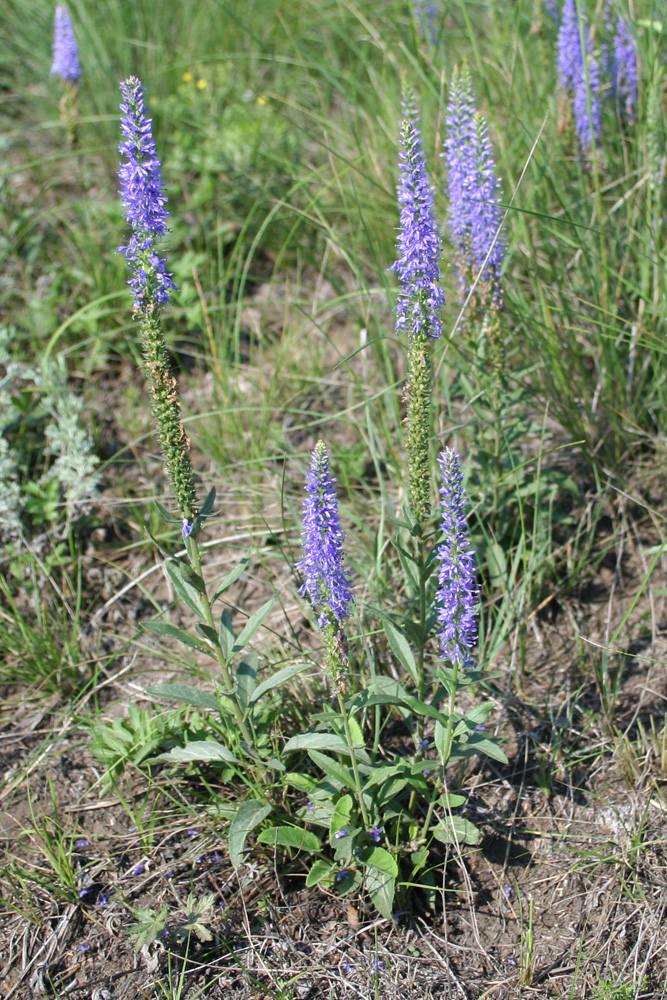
(185, 694)
(248, 815)
(164, 628)
(401, 648)
(280, 677)
(187, 584)
(317, 741)
(252, 626)
(205, 751)
(231, 578)
(290, 836)
(332, 768)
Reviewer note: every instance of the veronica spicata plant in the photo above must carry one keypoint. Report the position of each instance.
(144, 202)
(579, 75)
(67, 66)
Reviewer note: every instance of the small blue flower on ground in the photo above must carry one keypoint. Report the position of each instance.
(375, 833)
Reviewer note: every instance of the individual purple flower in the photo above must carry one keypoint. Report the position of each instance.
(375, 833)
(326, 582)
(420, 297)
(102, 899)
(423, 744)
(144, 201)
(139, 870)
(475, 214)
(343, 874)
(82, 843)
(339, 834)
(65, 50)
(625, 77)
(186, 528)
(457, 589)
(579, 74)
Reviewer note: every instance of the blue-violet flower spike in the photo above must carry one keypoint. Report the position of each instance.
(326, 582)
(579, 74)
(65, 50)
(457, 589)
(144, 201)
(420, 297)
(625, 75)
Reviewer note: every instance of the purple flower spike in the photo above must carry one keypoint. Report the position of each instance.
(579, 75)
(144, 201)
(326, 582)
(65, 50)
(475, 214)
(457, 591)
(625, 75)
(420, 297)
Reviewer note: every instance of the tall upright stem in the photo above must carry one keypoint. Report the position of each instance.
(222, 663)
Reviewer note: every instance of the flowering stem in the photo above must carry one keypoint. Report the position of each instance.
(195, 559)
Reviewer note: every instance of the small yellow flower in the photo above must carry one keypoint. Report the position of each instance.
(202, 84)
(261, 100)
(187, 76)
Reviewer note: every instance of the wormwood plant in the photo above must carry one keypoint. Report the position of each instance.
(369, 818)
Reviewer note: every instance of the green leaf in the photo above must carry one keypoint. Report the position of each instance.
(188, 585)
(226, 634)
(382, 859)
(317, 741)
(338, 772)
(207, 505)
(163, 628)
(302, 782)
(186, 694)
(231, 577)
(381, 774)
(148, 927)
(381, 888)
(194, 909)
(208, 633)
(252, 626)
(456, 829)
(290, 836)
(246, 679)
(341, 817)
(482, 744)
(421, 708)
(248, 815)
(401, 648)
(319, 871)
(276, 680)
(206, 751)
